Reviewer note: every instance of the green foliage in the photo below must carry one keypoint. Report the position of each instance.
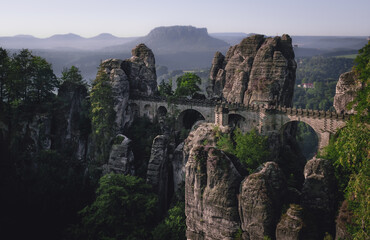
(165, 89)
(25, 79)
(102, 115)
(250, 148)
(350, 152)
(187, 85)
(173, 227)
(123, 209)
(72, 75)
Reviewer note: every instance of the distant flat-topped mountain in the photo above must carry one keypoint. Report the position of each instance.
(178, 39)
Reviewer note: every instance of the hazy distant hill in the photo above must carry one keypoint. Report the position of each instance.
(63, 42)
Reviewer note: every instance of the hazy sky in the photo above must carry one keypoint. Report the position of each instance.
(43, 18)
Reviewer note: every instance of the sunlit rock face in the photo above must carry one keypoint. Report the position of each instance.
(257, 70)
(346, 91)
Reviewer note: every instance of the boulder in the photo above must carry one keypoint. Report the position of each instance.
(345, 92)
(260, 201)
(258, 70)
(121, 157)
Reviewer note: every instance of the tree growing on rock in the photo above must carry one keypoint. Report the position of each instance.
(187, 85)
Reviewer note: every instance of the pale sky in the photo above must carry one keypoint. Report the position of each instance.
(127, 18)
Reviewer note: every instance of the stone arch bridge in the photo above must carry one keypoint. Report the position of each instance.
(266, 119)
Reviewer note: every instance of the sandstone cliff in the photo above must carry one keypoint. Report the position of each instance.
(346, 91)
(258, 70)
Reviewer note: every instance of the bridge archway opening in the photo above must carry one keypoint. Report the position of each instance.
(162, 111)
(188, 117)
(301, 136)
(236, 121)
(148, 111)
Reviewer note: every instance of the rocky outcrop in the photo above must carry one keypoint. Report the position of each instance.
(178, 167)
(347, 87)
(258, 70)
(291, 224)
(343, 220)
(260, 201)
(158, 170)
(318, 195)
(211, 186)
(140, 69)
(120, 90)
(121, 157)
(135, 75)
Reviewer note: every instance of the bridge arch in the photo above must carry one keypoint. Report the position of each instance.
(162, 111)
(306, 136)
(188, 117)
(237, 120)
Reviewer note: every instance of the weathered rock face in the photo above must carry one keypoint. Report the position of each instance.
(121, 157)
(136, 75)
(346, 91)
(260, 201)
(211, 186)
(121, 91)
(343, 220)
(318, 194)
(291, 224)
(157, 173)
(178, 167)
(258, 70)
(140, 69)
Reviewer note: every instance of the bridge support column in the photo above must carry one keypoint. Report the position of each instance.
(323, 140)
(221, 116)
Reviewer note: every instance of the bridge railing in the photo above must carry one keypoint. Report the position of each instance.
(241, 107)
(182, 101)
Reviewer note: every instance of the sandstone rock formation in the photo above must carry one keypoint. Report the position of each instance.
(178, 167)
(260, 201)
(346, 91)
(291, 224)
(140, 69)
(318, 194)
(121, 157)
(158, 170)
(258, 70)
(211, 186)
(136, 75)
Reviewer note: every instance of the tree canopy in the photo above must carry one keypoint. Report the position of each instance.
(187, 85)
(123, 209)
